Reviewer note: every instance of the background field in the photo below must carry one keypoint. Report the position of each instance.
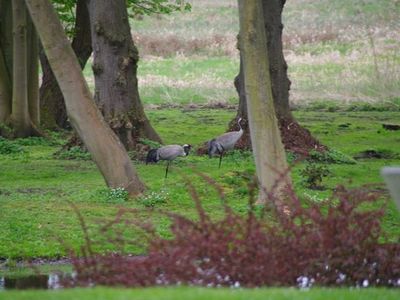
(342, 51)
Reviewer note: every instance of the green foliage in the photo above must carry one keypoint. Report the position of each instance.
(117, 195)
(149, 7)
(313, 175)
(5, 130)
(36, 141)
(150, 143)
(67, 14)
(331, 156)
(10, 147)
(75, 152)
(291, 157)
(153, 198)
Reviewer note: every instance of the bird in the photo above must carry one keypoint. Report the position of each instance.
(168, 152)
(224, 142)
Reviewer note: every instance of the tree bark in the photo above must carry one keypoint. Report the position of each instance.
(268, 150)
(108, 153)
(295, 137)
(33, 74)
(115, 59)
(5, 91)
(52, 106)
(5, 60)
(20, 111)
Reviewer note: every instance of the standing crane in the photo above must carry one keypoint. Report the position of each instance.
(224, 143)
(169, 153)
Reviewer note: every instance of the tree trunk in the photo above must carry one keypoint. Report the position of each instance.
(33, 74)
(52, 106)
(268, 150)
(115, 60)
(20, 112)
(5, 91)
(5, 60)
(108, 153)
(295, 137)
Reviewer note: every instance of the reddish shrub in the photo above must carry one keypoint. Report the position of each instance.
(333, 243)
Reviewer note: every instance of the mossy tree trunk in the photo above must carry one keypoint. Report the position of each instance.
(33, 74)
(20, 118)
(5, 60)
(107, 151)
(268, 150)
(52, 106)
(115, 59)
(5, 91)
(19, 101)
(295, 137)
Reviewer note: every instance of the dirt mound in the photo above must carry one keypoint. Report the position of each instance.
(295, 138)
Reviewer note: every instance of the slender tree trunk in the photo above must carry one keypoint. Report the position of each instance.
(107, 151)
(295, 137)
(52, 106)
(5, 91)
(33, 74)
(267, 147)
(5, 60)
(20, 110)
(115, 60)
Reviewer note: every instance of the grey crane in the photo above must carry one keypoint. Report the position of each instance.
(224, 143)
(169, 153)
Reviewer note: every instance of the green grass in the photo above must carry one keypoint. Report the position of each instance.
(203, 293)
(37, 188)
(196, 80)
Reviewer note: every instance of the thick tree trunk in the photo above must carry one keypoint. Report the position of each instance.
(295, 137)
(20, 111)
(115, 67)
(107, 151)
(5, 60)
(268, 150)
(52, 106)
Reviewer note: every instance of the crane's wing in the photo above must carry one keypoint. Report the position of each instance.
(170, 152)
(229, 139)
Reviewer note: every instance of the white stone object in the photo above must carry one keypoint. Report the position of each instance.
(392, 180)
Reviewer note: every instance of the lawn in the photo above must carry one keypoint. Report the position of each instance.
(37, 188)
(203, 293)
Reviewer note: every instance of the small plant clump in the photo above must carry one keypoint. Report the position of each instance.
(117, 195)
(8, 147)
(313, 175)
(154, 199)
(331, 157)
(334, 243)
(75, 152)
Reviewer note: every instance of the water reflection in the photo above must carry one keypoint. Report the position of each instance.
(39, 281)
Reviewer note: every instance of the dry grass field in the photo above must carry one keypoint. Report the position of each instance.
(337, 51)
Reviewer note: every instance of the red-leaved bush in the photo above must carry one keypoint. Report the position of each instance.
(334, 243)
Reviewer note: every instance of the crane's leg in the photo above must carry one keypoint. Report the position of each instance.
(220, 159)
(166, 170)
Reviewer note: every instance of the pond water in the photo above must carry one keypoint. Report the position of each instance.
(36, 281)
